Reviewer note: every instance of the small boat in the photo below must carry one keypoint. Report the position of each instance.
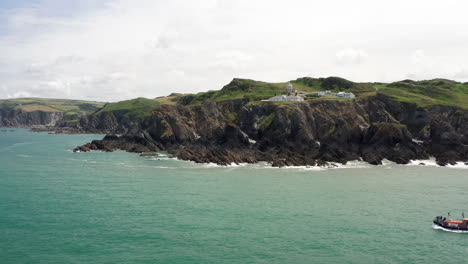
(448, 223)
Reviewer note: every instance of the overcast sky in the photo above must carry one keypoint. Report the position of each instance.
(113, 50)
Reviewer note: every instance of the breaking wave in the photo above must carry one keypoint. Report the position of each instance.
(432, 162)
(448, 230)
(357, 164)
(23, 156)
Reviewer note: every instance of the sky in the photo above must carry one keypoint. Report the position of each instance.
(112, 50)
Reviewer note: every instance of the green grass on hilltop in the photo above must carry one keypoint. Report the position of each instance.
(425, 93)
(138, 108)
(256, 91)
(422, 93)
(236, 89)
(70, 107)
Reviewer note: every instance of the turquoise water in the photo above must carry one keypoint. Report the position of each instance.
(63, 207)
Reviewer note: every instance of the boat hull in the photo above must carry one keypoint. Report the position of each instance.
(443, 225)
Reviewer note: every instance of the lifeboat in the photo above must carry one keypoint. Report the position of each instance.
(451, 224)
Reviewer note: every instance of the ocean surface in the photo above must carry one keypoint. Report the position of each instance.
(57, 206)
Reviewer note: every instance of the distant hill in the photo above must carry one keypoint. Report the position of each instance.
(33, 111)
(69, 107)
(40, 111)
(137, 108)
(422, 93)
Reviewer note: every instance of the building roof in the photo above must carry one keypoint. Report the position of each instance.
(294, 97)
(278, 97)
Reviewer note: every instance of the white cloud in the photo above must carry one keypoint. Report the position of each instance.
(428, 66)
(128, 48)
(419, 57)
(350, 56)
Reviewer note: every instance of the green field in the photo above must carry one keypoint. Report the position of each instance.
(69, 107)
(137, 108)
(425, 93)
(256, 91)
(422, 93)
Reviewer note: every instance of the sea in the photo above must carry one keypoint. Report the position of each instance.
(57, 206)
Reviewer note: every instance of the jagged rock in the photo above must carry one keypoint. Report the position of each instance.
(11, 117)
(303, 134)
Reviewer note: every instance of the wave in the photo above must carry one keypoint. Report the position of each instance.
(458, 165)
(432, 162)
(23, 156)
(448, 230)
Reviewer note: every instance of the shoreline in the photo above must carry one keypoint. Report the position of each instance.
(355, 164)
(431, 162)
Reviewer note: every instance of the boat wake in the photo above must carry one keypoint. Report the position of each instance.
(448, 230)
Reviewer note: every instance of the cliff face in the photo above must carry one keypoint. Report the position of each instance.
(16, 118)
(101, 123)
(312, 133)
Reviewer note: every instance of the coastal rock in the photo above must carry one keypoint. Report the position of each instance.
(300, 134)
(11, 117)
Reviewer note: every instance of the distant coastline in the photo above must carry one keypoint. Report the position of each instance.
(401, 122)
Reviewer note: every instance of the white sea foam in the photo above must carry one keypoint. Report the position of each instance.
(214, 165)
(448, 230)
(458, 165)
(268, 166)
(355, 164)
(332, 166)
(432, 162)
(428, 162)
(23, 156)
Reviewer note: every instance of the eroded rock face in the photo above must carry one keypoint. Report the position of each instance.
(10, 117)
(315, 133)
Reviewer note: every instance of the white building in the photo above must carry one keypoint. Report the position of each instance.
(283, 97)
(345, 95)
(290, 89)
(339, 94)
(323, 93)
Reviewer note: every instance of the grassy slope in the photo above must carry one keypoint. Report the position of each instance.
(257, 91)
(422, 93)
(137, 108)
(237, 89)
(431, 92)
(70, 107)
(169, 100)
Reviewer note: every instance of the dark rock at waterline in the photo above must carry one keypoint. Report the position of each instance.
(303, 134)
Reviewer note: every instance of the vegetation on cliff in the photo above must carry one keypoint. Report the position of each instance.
(39, 111)
(138, 108)
(312, 133)
(69, 107)
(430, 92)
(421, 93)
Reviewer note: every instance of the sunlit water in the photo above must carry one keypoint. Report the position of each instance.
(63, 207)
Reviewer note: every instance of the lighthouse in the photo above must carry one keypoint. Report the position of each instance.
(289, 89)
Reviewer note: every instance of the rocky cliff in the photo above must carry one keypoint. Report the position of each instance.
(45, 113)
(10, 117)
(309, 133)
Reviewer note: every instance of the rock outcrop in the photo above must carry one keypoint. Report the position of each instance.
(309, 133)
(10, 117)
